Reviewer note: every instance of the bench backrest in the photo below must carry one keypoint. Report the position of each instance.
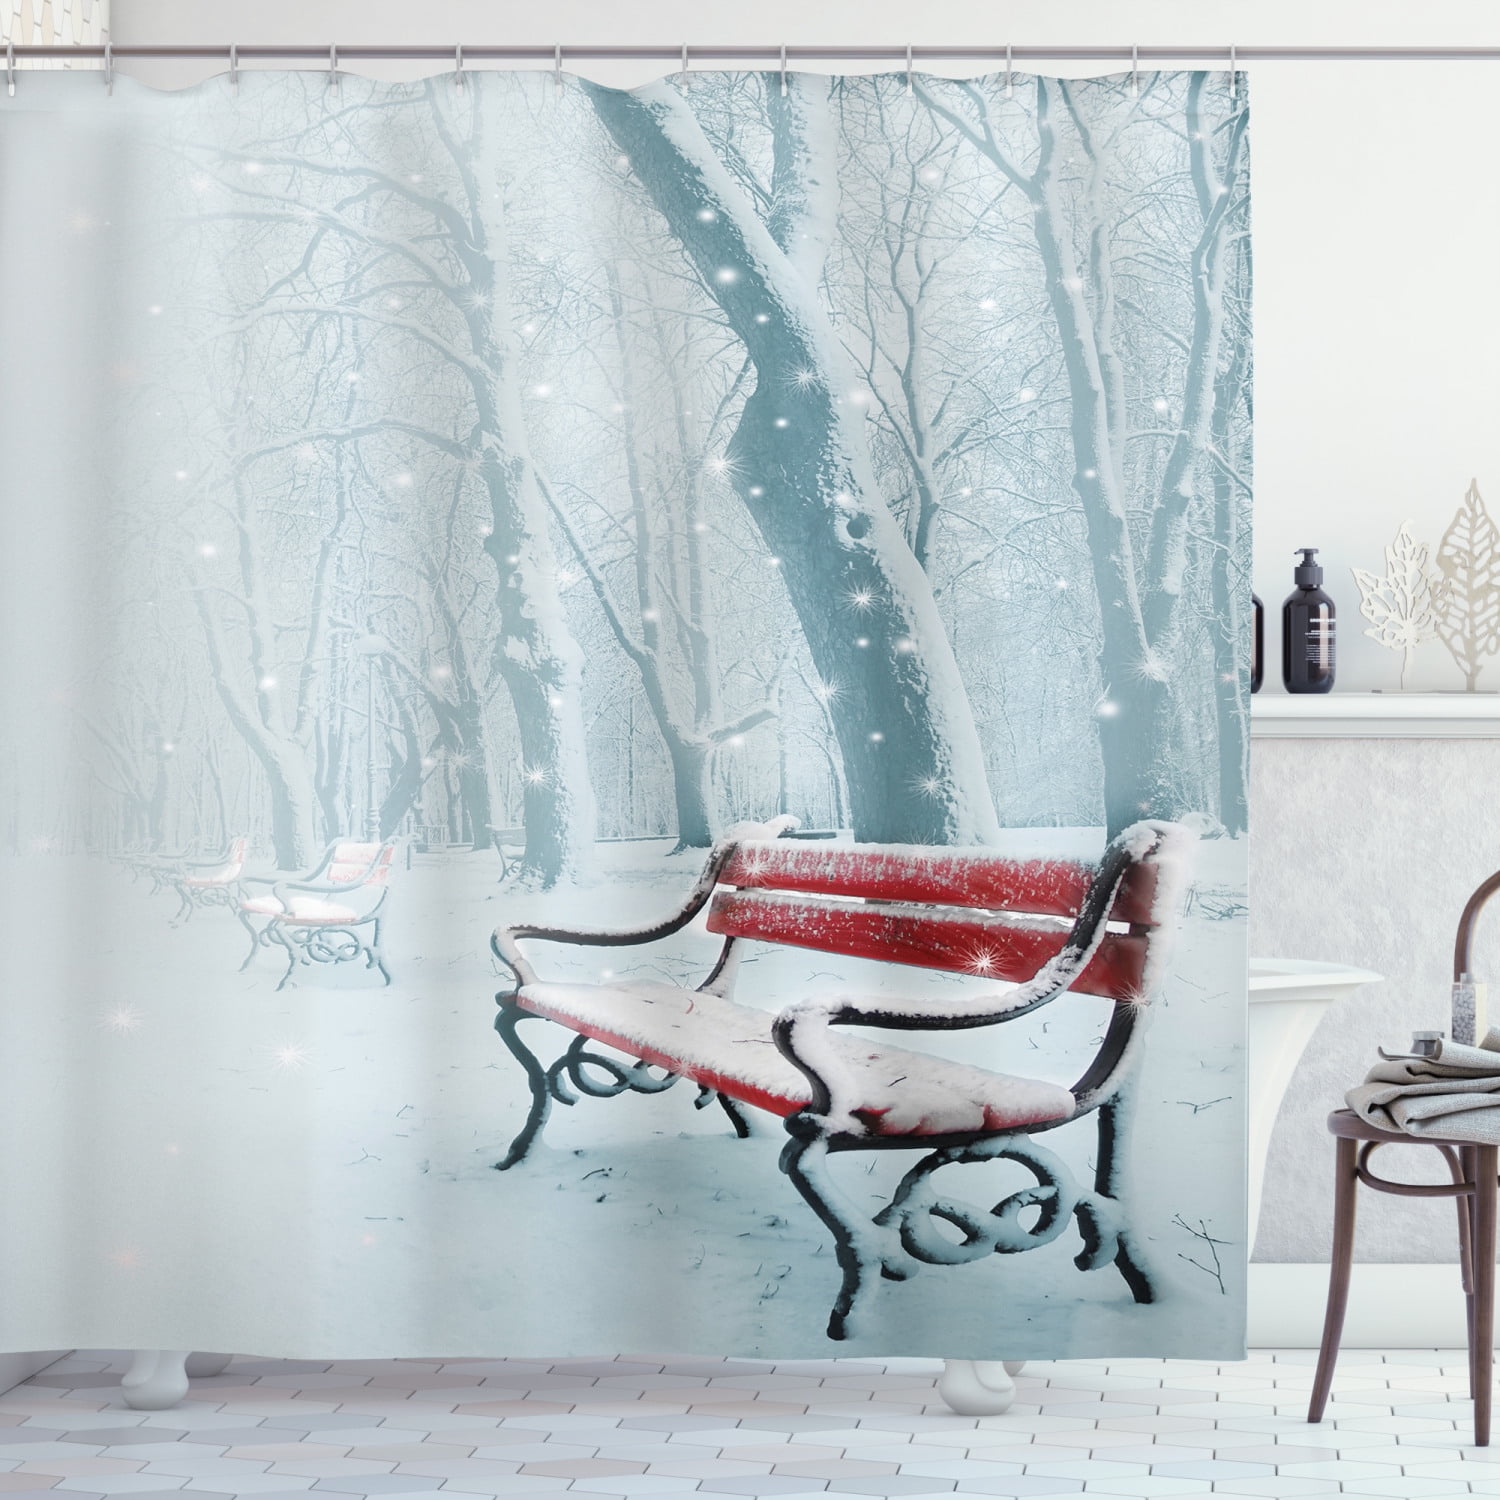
(966, 910)
(236, 860)
(350, 862)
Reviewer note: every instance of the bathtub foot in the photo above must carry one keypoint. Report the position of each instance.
(157, 1379)
(1014, 1366)
(200, 1366)
(977, 1387)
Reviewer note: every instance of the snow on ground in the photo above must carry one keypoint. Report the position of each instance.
(199, 1162)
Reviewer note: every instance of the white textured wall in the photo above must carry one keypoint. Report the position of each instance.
(1364, 851)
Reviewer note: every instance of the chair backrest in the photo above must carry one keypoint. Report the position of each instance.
(966, 910)
(236, 861)
(349, 862)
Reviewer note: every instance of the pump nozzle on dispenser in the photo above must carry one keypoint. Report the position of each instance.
(1307, 574)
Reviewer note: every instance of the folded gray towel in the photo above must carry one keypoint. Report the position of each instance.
(1454, 1095)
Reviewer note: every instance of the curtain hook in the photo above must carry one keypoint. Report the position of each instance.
(109, 68)
(234, 69)
(1234, 76)
(333, 67)
(458, 66)
(909, 89)
(557, 68)
(1010, 82)
(10, 66)
(1135, 71)
(684, 73)
(783, 70)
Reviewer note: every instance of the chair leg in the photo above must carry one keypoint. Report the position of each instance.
(1482, 1338)
(510, 1016)
(1339, 1271)
(1464, 1172)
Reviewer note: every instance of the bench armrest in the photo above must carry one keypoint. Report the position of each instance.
(505, 942)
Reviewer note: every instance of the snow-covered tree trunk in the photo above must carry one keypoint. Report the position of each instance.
(536, 655)
(293, 795)
(800, 463)
(1229, 597)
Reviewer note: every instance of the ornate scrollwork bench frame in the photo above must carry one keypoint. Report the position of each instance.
(1139, 879)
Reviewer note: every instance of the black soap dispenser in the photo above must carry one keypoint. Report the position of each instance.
(1257, 644)
(1307, 631)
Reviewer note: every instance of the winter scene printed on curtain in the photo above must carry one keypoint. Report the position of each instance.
(623, 714)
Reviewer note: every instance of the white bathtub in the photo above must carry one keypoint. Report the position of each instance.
(1288, 997)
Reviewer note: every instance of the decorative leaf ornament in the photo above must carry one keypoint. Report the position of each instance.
(1468, 609)
(1401, 607)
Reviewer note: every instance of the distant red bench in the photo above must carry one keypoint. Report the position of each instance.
(1047, 925)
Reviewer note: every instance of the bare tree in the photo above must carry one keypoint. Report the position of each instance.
(799, 462)
(1137, 595)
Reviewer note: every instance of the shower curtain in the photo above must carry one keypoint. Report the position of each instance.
(436, 506)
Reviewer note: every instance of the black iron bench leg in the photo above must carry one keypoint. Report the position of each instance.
(510, 1016)
(377, 956)
(804, 1159)
(249, 927)
(736, 1117)
(1107, 1185)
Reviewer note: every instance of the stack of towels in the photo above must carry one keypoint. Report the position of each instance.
(1453, 1094)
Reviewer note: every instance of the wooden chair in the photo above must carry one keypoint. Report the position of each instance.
(1472, 1168)
(1053, 925)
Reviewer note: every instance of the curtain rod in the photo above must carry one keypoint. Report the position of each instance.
(681, 53)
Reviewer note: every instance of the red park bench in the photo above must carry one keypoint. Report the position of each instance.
(1047, 925)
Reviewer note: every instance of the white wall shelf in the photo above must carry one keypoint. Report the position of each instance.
(1343, 716)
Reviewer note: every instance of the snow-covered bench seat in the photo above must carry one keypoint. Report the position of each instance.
(1037, 927)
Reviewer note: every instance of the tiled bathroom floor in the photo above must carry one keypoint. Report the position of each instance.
(644, 1427)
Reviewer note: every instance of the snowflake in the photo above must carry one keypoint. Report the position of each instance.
(929, 786)
(862, 598)
(1150, 668)
(983, 959)
(534, 775)
(121, 1019)
(291, 1057)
